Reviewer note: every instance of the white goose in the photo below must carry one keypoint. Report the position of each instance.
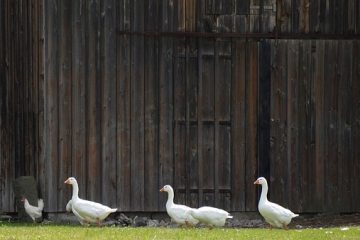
(274, 214)
(86, 211)
(213, 217)
(33, 211)
(179, 213)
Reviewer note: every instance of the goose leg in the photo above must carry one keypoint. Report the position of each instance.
(285, 227)
(98, 222)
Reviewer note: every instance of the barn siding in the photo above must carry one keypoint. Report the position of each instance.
(126, 112)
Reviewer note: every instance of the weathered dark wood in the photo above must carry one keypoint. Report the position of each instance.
(93, 93)
(264, 109)
(238, 107)
(124, 109)
(293, 124)
(78, 97)
(65, 102)
(251, 131)
(137, 110)
(331, 134)
(320, 127)
(344, 130)
(355, 126)
(278, 134)
(51, 104)
(151, 138)
(242, 7)
(127, 113)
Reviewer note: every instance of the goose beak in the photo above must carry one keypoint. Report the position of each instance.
(256, 182)
(67, 181)
(162, 190)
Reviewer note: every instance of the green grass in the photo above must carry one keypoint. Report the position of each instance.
(40, 231)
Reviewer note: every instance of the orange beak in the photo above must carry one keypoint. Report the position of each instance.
(162, 190)
(67, 181)
(256, 182)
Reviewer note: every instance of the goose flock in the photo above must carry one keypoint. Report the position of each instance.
(89, 212)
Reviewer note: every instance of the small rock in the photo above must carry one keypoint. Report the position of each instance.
(172, 224)
(123, 220)
(140, 221)
(110, 223)
(152, 223)
(162, 223)
(299, 227)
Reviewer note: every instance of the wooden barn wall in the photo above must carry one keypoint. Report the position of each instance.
(21, 74)
(127, 113)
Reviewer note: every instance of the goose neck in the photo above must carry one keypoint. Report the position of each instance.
(170, 200)
(75, 194)
(264, 191)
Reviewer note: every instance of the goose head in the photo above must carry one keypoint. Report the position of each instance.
(166, 188)
(23, 199)
(70, 180)
(260, 181)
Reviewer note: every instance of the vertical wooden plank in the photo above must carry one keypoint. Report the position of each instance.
(238, 191)
(3, 97)
(51, 103)
(93, 93)
(137, 110)
(180, 131)
(190, 15)
(206, 122)
(151, 174)
(278, 134)
(320, 126)
(268, 16)
(254, 19)
(304, 19)
(314, 16)
(124, 109)
(296, 12)
(243, 7)
(350, 11)
(293, 124)
(330, 16)
(36, 45)
(41, 99)
(344, 129)
(251, 125)
(79, 44)
(331, 134)
(284, 16)
(166, 101)
(357, 14)
(191, 122)
(65, 102)
(151, 126)
(355, 124)
(304, 122)
(222, 119)
(264, 109)
(108, 105)
(339, 17)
